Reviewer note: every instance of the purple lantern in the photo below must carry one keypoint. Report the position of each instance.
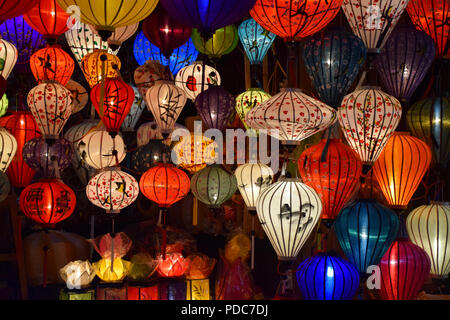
(214, 106)
(404, 61)
(45, 158)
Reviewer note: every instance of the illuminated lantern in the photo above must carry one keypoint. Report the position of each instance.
(13, 8)
(47, 18)
(255, 40)
(291, 116)
(401, 167)
(175, 265)
(215, 105)
(333, 61)
(135, 113)
(112, 190)
(404, 269)
(77, 274)
(47, 202)
(428, 228)
(112, 246)
(8, 148)
(8, 58)
(199, 269)
(365, 230)
(196, 78)
(120, 35)
(294, 20)
(432, 16)
(3, 105)
(165, 101)
(51, 106)
(150, 131)
(148, 155)
(80, 97)
(404, 61)
(223, 41)
(117, 272)
(327, 277)
(52, 63)
(92, 65)
(117, 97)
(249, 99)
(288, 211)
(368, 117)
(194, 152)
(143, 266)
(148, 74)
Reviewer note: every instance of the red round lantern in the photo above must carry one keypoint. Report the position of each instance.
(13, 8)
(47, 18)
(52, 63)
(47, 202)
(165, 32)
(23, 127)
(118, 98)
(174, 265)
(333, 173)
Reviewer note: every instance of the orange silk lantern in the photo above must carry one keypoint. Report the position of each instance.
(99, 64)
(174, 265)
(52, 63)
(47, 18)
(401, 167)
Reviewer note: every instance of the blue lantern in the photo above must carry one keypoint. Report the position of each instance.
(327, 277)
(365, 230)
(144, 50)
(255, 40)
(333, 61)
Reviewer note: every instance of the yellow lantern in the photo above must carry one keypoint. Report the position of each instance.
(249, 99)
(8, 148)
(117, 272)
(194, 152)
(92, 66)
(77, 274)
(223, 41)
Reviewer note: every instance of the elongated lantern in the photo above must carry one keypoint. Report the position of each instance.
(52, 63)
(99, 64)
(8, 56)
(47, 18)
(248, 100)
(222, 42)
(8, 148)
(196, 78)
(255, 40)
(135, 113)
(215, 106)
(14, 8)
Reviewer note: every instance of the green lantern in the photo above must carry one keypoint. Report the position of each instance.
(3, 105)
(249, 99)
(223, 41)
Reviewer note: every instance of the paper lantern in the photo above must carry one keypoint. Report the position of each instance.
(428, 228)
(14, 8)
(8, 148)
(143, 266)
(120, 35)
(117, 97)
(117, 272)
(47, 202)
(333, 60)
(135, 113)
(112, 190)
(404, 269)
(165, 101)
(255, 40)
(150, 131)
(77, 274)
(200, 266)
(80, 97)
(365, 230)
(215, 105)
(47, 18)
(401, 167)
(174, 265)
(51, 106)
(3, 105)
(249, 99)
(223, 41)
(148, 74)
(404, 61)
(294, 20)
(115, 246)
(8, 58)
(288, 211)
(327, 277)
(291, 116)
(196, 78)
(148, 155)
(93, 63)
(368, 117)
(52, 63)
(193, 152)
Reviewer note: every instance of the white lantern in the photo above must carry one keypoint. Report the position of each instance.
(368, 117)
(135, 113)
(8, 148)
(150, 131)
(291, 116)
(77, 274)
(429, 228)
(8, 57)
(288, 211)
(80, 96)
(112, 190)
(194, 80)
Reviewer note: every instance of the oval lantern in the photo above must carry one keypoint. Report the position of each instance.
(150, 73)
(150, 131)
(8, 148)
(148, 155)
(47, 18)
(222, 42)
(8, 58)
(193, 152)
(80, 97)
(333, 170)
(196, 78)
(401, 167)
(137, 107)
(52, 63)
(248, 100)
(327, 277)
(215, 105)
(14, 8)
(365, 230)
(255, 40)
(93, 63)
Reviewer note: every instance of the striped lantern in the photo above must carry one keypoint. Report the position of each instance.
(93, 63)
(248, 100)
(215, 105)
(196, 78)
(222, 42)
(255, 40)
(52, 63)
(48, 18)
(8, 56)
(8, 148)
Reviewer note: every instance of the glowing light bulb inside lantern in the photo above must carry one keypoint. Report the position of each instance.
(166, 29)
(22, 122)
(330, 272)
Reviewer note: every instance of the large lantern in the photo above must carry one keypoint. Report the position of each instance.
(248, 100)
(47, 18)
(255, 40)
(368, 117)
(8, 148)
(333, 170)
(223, 41)
(148, 155)
(193, 152)
(401, 167)
(135, 113)
(365, 230)
(52, 63)
(196, 78)
(215, 106)
(8, 56)
(14, 8)
(148, 74)
(428, 227)
(97, 63)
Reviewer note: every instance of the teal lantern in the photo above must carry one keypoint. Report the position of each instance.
(255, 40)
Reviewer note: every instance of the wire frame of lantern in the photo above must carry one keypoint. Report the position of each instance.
(248, 100)
(404, 61)
(193, 152)
(80, 96)
(47, 18)
(14, 8)
(135, 113)
(196, 78)
(215, 105)
(4, 102)
(255, 40)
(291, 116)
(52, 63)
(368, 117)
(222, 42)
(93, 63)
(8, 148)
(120, 35)
(148, 155)
(150, 131)
(8, 56)
(147, 75)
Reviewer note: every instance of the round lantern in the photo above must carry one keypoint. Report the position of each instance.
(51, 106)
(47, 18)
(80, 97)
(404, 269)
(215, 105)
(77, 274)
(194, 152)
(368, 117)
(174, 265)
(400, 168)
(137, 107)
(291, 116)
(8, 148)
(47, 202)
(52, 63)
(14, 8)
(8, 58)
(165, 101)
(120, 35)
(115, 273)
(255, 40)
(327, 277)
(333, 170)
(112, 190)
(404, 61)
(150, 131)
(213, 185)
(93, 63)
(294, 20)
(288, 211)
(117, 97)
(428, 228)
(248, 100)
(4, 102)
(5, 186)
(196, 78)
(148, 74)
(223, 41)
(148, 155)
(365, 230)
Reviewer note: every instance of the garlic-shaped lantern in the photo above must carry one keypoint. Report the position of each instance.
(8, 148)
(8, 58)
(196, 78)
(193, 152)
(120, 35)
(77, 274)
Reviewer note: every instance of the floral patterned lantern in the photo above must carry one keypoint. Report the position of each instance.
(255, 40)
(148, 74)
(9, 55)
(47, 18)
(196, 78)
(52, 63)
(80, 97)
(92, 66)
(194, 152)
(135, 113)
(8, 148)
(248, 100)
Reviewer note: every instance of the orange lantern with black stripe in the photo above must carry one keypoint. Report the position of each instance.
(47, 18)
(52, 63)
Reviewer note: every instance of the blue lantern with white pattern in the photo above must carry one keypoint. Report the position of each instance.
(255, 40)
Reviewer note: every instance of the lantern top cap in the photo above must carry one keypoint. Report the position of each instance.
(370, 88)
(291, 90)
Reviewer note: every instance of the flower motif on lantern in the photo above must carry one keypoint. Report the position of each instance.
(52, 63)
(117, 272)
(147, 75)
(77, 274)
(255, 40)
(193, 152)
(80, 96)
(148, 155)
(222, 42)
(196, 78)
(47, 18)
(248, 100)
(174, 265)
(150, 131)
(135, 113)
(8, 58)
(14, 8)
(93, 63)
(215, 105)
(8, 148)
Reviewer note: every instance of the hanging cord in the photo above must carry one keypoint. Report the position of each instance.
(162, 226)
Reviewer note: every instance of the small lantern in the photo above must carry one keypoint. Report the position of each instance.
(196, 78)
(147, 156)
(175, 265)
(248, 100)
(93, 63)
(48, 19)
(255, 40)
(133, 116)
(80, 96)
(8, 148)
(147, 75)
(150, 131)
(116, 273)
(52, 63)
(77, 274)
(143, 293)
(193, 152)
(108, 246)
(222, 42)
(215, 105)
(9, 55)
(143, 267)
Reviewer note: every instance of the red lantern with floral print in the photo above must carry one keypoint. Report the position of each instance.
(52, 63)
(47, 18)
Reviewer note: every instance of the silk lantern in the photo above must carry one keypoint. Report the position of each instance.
(150, 131)
(77, 274)
(222, 42)
(14, 8)
(401, 167)
(4, 102)
(120, 35)
(333, 170)
(428, 228)
(148, 155)
(137, 107)
(255, 40)
(327, 277)
(8, 148)
(196, 78)
(368, 117)
(47, 18)
(193, 152)
(215, 105)
(52, 63)
(8, 58)
(80, 97)
(404, 269)
(249, 99)
(365, 230)
(92, 66)
(148, 74)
